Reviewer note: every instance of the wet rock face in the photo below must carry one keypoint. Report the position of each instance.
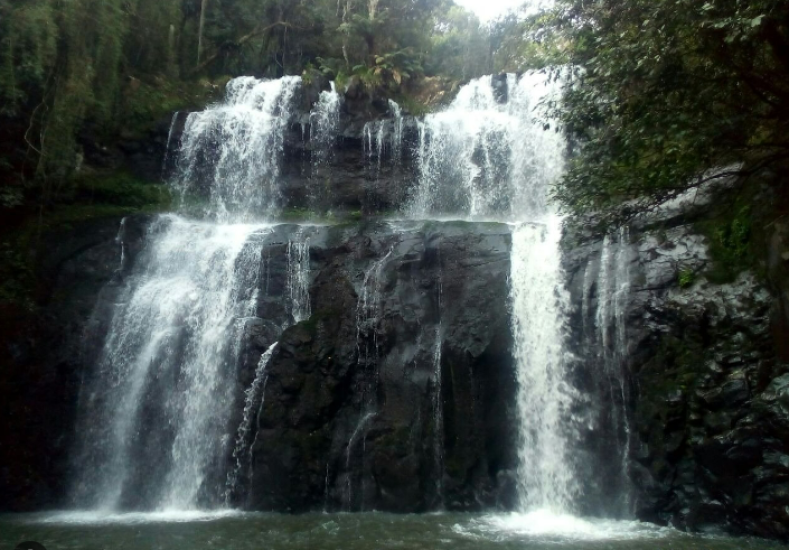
(352, 417)
(705, 392)
(44, 355)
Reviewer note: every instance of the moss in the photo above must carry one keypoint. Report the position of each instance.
(686, 278)
(121, 189)
(147, 102)
(111, 195)
(675, 367)
(295, 215)
(730, 236)
(414, 106)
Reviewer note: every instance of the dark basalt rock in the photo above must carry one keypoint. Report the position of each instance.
(706, 389)
(45, 353)
(348, 421)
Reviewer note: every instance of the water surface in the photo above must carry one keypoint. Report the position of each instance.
(231, 530)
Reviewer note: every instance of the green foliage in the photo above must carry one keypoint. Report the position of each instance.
(108, 69)
(660, 93)
(729, 236)
(413, 106)
(119, 189)
(686, 278)
(147, 102)
(526, 43)
(16, 276)
(460, 46)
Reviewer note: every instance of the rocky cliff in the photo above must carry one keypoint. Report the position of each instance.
(352, 415)
(705, 384)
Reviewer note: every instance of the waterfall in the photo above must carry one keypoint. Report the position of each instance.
(368, 311)
(253, 401)
(397, 134)
(230, 153)
(324, 125)
(613, 286)
(438, 398)
(155, 418)
(374, 141)
(368, 315)
(166, 160)
(490, 154)
(545, 472)
(158, 427)
(487, 155)
(159, 403)
(298, 277)
(324, 130)
(348, 449)
(120, 241)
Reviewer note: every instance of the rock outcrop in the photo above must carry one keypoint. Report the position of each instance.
(704, 391)
(353, 415)
(47, 352)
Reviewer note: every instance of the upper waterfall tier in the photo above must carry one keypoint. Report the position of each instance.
(234, 149)
(277, 145)
(490, 154)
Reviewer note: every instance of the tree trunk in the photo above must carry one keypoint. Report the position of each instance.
(203, 8)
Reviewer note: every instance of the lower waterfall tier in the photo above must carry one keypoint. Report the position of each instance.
(343, 414)
(391, 385)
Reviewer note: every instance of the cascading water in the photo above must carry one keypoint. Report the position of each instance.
(489, 155)
(368, 315)
(438, 397)
(384, 138)
(545, 473)
(230, 153)
(167, 374)
(613, 286)
(155, 418)
(324, 130)
(397, 133)
(159, 405)
(122, 244)
(253, 403)
(374, 141)
(324, 125)
(298, 277)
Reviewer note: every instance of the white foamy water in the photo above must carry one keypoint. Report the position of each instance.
(558, 528)
(253, 403)
(155, 412)
(489, 153)
(299, 276)
(230, 153)
(92, 517)
(546, 478)
(324, 125)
